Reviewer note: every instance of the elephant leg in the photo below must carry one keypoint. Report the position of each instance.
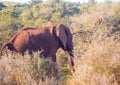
(31, 54)
(54, 58)
(52, 55)
(71, 60)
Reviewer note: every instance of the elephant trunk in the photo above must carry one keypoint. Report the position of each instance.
(69, 49)
(71, 60)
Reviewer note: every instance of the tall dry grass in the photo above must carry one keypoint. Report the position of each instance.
(99, 64)
(27, 71)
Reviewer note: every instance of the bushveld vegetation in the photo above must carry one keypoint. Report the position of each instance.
(96, 36)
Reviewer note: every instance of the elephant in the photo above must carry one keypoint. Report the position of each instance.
(48, 39)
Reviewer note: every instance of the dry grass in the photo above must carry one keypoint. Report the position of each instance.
(27, 71)
(99, 64)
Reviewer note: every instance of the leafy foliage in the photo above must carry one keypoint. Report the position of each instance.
(34, 14)
(2, 6)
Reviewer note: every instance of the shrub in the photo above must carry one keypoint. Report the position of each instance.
(99, 64)
(29, 71)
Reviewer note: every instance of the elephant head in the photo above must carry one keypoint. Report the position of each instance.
(65, 37)
(65, 40)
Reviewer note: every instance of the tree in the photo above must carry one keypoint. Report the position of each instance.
(2, 6)
(92, 1)
(34, 2)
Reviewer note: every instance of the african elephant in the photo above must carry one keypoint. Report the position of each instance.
(49, 39)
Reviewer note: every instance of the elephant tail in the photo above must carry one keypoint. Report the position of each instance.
(3, 48)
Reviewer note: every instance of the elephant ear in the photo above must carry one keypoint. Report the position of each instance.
(61, 34)
(65, 37)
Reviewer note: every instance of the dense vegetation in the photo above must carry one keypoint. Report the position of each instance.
(96, 36)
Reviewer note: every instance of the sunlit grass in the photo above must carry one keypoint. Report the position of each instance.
(29, 71)
(99, 64)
